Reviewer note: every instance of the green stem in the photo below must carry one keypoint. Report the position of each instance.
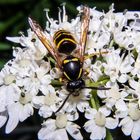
(93, 103)
(108, 135)
(94, 100)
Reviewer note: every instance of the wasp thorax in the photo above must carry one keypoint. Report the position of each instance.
(72, 68)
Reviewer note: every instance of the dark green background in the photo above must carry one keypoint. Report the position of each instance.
(14, 14)
(13, 18)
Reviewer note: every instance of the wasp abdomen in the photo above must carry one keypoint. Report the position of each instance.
(64, 41)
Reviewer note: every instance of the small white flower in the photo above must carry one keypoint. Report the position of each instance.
(57, 129)
(117, 67)
(130, 125)
(19, 108)
(8, 86)
(37, 78)
(136, 70)
(95, 71)
(33, 45)
(47, 104)
(135, 92)
(78, 101)
(114, 97)
(98, 122)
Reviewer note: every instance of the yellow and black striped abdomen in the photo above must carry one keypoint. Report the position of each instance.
(64, 41)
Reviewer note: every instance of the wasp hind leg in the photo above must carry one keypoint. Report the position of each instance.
(100, 53)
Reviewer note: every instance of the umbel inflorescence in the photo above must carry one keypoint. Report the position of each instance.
(31, 79)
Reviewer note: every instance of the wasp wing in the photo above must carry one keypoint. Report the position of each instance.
(41, 35)
(84, 31)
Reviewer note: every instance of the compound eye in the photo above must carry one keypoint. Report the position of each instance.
(70, 87)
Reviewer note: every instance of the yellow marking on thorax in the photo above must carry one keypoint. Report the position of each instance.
(74, 59)
(80, 73)
(67, 76)
(67, 61)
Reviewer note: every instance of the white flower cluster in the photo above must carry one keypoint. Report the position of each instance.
(27, 82)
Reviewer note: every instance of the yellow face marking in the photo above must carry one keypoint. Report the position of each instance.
(80, 73)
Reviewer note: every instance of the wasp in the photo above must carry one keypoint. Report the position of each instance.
(64, 43)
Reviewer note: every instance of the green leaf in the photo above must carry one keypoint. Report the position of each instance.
(2, 62)
(11, 1)
(103, 79)
(4, 46)
(5, 24)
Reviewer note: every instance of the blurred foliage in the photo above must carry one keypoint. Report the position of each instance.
(13, 19)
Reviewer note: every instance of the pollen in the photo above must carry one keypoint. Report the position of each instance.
(61, 121)
(100, 119)
(24, 63)
(25, 98)
(50, 99)
(134, 113)
(9, 79)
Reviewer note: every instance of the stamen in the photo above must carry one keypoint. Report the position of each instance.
(59, 15)
(47, 15)
(64, 12)
(47, 25)
(21, 33)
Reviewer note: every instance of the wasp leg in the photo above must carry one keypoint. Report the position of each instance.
(94, 54)
(63, 80)
(86, 72)
(63, 103)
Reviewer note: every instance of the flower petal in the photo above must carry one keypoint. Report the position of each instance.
(89, 125)
(74, 131)
(106, 111)
(90, 112)
(45, 111)
(123, 78)
(136, 130)
(82, 105)
(127, 125)
(111, 123)
(121, 105)
(98, 133)
(3, 119)
(26, 112)
(73, 115)
(13, 111)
